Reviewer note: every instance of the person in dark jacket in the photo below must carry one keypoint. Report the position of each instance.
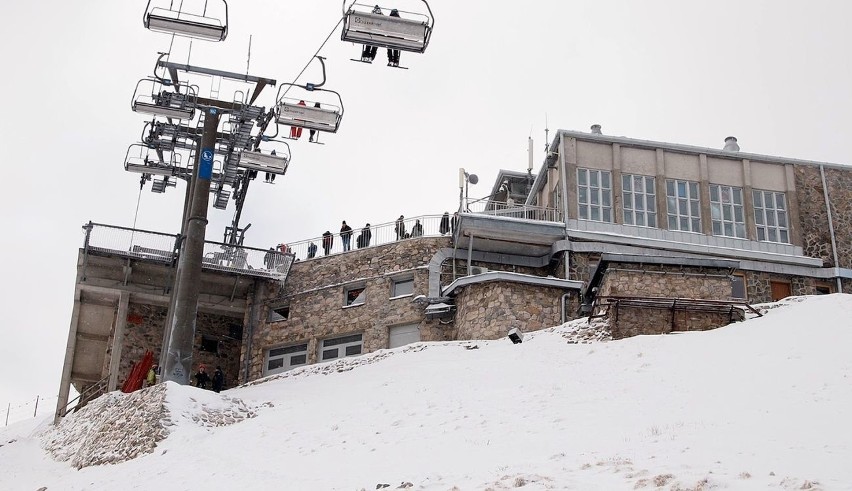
(368, 53)
(327, 242)
(312, 250)
(400, 227)
(201, 377)
(417, 229)
(313, 132)
(218, 379)
(366, 235)
(445, 223)
(345, 235)
(393, 54)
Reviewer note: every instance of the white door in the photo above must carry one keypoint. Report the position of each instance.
(402, 335)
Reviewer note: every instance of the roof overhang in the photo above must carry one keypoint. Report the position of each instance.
(505, 276)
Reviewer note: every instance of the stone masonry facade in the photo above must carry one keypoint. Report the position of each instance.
(144, 332)
(315, 292)
(490, 310)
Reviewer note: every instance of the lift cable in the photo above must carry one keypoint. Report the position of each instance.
(312, 58)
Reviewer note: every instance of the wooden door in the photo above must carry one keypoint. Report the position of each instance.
(780, 289)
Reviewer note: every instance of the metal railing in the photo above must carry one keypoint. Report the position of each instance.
(157, 246)
(512, 210)
(380, 234)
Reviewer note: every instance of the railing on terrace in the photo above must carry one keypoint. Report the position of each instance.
(513, 210)
(380, 234)
(157, 246)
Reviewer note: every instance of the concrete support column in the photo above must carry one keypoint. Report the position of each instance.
(704, 200)
(793, 206)
(617, 205)
(120, 324)
(65, 381)
(748, 201)
(569, 177)
(662, 208)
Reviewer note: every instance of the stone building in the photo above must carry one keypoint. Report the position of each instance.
(657, 237)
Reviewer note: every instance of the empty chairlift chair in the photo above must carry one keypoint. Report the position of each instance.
(153, 97)
(144, 160)
(411, 32)
(189, 18)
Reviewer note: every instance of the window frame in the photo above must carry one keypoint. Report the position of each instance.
(742, 279)
(649, 200)
(344, 341)
(276, 316)
(692, 201)
(763, 215)
(400, 280)
(591, 181)
(283, 356)
(729, 207)
(362, 295)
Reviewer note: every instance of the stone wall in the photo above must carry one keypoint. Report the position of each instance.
(652, 280)
(816, 236)
(490, 310)
(315, 293)
(144, 331)
(626, 320)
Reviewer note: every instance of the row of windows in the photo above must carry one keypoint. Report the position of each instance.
(683, 205)
(352, 295)
(288, 357)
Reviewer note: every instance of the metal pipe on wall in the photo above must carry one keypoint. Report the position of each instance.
(830, 227)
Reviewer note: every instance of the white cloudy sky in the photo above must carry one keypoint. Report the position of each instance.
(775, 74)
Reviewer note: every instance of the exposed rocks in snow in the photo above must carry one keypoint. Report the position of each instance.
(118, 427)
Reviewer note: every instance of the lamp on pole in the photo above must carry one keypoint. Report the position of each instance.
(464, 179)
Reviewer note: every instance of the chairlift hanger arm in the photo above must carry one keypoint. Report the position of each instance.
(216, 73)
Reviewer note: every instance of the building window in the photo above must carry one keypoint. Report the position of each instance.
(402, 287)
(738, 289)
(640, 200)
(209, 344)
(594, 195)
(280, 313)
(726, 211)
(824, 288)
(770, 217)
(682, 199)
(341, 347)
(353, 296)
(283, 359)
(402, 335)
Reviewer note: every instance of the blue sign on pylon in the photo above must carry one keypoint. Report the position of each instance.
(205, 169)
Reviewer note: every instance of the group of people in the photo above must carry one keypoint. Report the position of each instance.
(368, 53)
(296, 131)
(274, 255)
(202, 379)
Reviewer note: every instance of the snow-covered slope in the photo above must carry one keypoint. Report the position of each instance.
(763, 404)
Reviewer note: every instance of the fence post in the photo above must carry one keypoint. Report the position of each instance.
(35, 411)
(8, 408)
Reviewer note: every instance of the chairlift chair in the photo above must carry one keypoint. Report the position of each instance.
(409, 33)
(264, 162)
(152, 97)
(325, 118)
(145, 160)
(197, 24)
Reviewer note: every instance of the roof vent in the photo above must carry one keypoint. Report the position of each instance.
(596, 129)
(731, 144)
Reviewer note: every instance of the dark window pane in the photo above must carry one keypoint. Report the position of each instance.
(298, 360)
(329, 354)
(276, 363)
(353, 338)
(353, 350)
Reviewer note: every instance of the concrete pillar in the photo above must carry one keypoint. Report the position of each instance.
(793, 206)
(704, 199)
(569, 178)
(617, 205)
(65, 381)
(748, 201)
(662, 208)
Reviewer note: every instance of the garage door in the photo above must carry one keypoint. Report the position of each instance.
(402, 335)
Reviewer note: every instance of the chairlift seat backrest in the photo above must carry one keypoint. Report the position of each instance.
(312, 118)
(170, 111)
(386, 31)
(183, 24)
(274, 164)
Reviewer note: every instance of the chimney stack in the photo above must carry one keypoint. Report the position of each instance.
(596, 129)
(731, 144)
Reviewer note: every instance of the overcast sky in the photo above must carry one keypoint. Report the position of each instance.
(776, 74)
